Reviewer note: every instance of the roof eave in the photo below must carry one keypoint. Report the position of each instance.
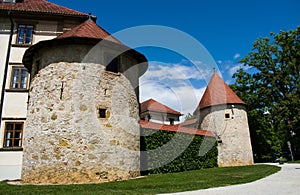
(156, 111)
(27, 57)
(225, 104)
(6, 12)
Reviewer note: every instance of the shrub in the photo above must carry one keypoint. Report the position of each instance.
(183, 149)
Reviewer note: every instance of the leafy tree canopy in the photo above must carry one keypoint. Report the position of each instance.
(272, 92)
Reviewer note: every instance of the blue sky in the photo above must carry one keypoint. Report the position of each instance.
(226, 28)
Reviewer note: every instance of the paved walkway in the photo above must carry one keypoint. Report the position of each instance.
(286, 181)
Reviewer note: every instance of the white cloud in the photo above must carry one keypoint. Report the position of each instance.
(197, 62)
(184, 99)
(233, 69)
(171, 84)
(236, 56)
(236, 67)
(177, 71)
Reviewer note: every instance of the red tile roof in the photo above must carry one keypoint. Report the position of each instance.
(41, 7)
(218, 93)
(175, 128)
(87, 33)
(153, 105)
(89, 29)
(189, 122)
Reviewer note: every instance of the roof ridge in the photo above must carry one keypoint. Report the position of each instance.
(89, 29)
(41, 7)
(157, 106)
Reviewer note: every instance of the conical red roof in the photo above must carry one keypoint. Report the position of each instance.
(89, 29)
(218, 93)
(87, 33)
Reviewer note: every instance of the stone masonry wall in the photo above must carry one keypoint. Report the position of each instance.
(66, 141)
(234, 147)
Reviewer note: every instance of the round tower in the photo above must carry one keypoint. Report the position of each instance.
(224, 113)
(83, 111)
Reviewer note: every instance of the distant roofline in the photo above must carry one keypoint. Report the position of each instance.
(147, 102)
(164, 112)
(190, 122)
(89, 29)
(41, 8)
(175, 128)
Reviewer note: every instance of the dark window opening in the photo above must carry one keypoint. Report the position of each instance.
(171, 121)
(25, 33)
(13, 134)
(102, 113)
(227, 116)
(148, 117)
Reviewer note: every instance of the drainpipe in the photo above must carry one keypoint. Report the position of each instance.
(6, 64)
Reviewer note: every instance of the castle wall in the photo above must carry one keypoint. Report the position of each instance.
(230, 124)
(66, 140)
(101, 53)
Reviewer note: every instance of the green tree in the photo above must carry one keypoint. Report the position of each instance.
(272, 92)
(189, 116)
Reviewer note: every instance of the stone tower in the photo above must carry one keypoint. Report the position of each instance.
(224, 113)
(83, 113)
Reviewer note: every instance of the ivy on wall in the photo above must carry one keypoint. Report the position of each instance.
(183, 149)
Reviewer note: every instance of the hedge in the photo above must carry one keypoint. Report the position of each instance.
(167, 152)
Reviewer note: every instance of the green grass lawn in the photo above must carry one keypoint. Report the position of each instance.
(153, 184)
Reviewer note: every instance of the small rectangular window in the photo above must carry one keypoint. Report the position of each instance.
(227, 116)
(171, 121)
(25, 33)
(102, 113)
(19, 78)
(13, 134)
